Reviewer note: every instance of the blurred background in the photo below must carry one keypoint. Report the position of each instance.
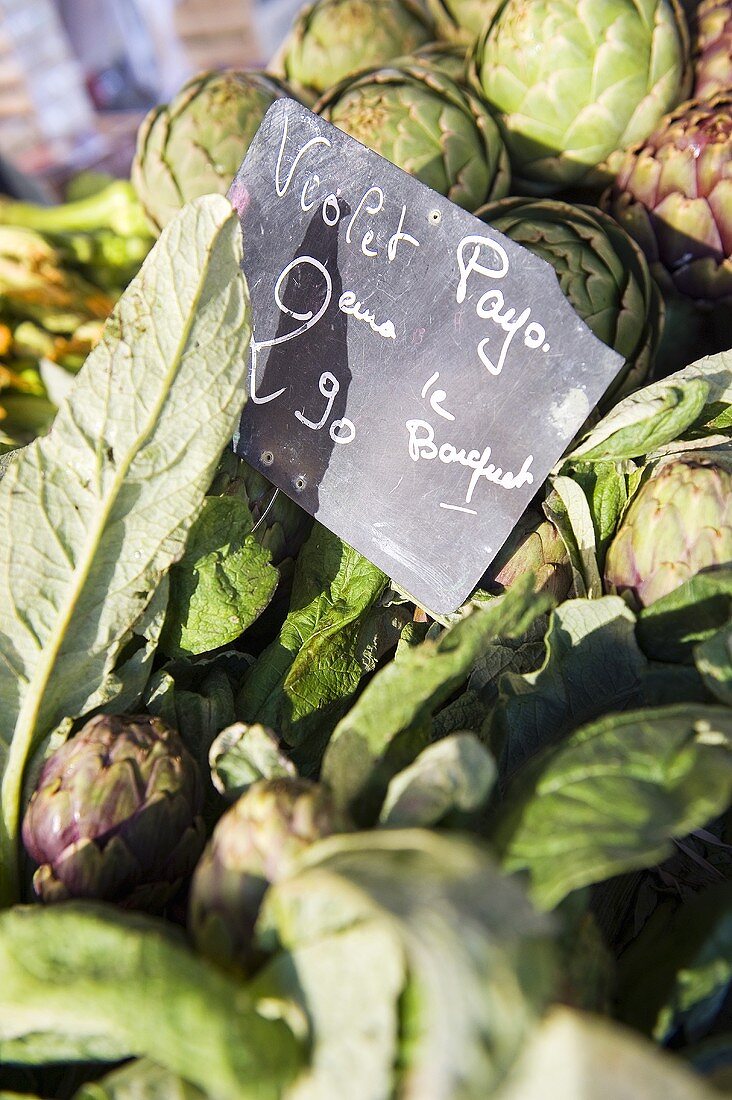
(77, 76)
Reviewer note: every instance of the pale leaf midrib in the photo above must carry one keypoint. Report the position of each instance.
(25, 727)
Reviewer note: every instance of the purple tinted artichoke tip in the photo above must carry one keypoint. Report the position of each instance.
(116, 815)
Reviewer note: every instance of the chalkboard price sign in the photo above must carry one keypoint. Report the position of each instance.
(414, 375)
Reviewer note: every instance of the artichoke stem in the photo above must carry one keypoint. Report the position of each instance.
(115, 207)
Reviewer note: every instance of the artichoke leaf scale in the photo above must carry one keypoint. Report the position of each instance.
(687, 219)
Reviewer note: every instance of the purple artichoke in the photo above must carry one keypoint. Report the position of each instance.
(535, 546)
(678, 523)
(673, 194)
(116, 815)
(713, 62)
(254, 844)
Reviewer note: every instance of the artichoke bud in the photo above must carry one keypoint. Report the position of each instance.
(535, 546)
(673, 194)
(255, 843)
(713, 63)
(116, 815)
(194, 145)
(678, 523)
(331, 39)
(601, 271)
(573, 83)
(418, 118)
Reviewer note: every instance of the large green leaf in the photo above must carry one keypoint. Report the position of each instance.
(670, 628)
(80, 982)
(575, 1056)
(613, 795)
(93, 514)
(662, 412)
(333, 634)
(390, 722)
(592, 665)
(469, 955)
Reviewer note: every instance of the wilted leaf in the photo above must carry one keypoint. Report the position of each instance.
(646, 420)
(242, 755)
(604, 486)
(613, 795)
(567, 507)
(592, 665)
(662, 412)
(389, 724)
(452, 777)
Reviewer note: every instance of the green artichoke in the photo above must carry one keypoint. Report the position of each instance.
(678, 523)
(673, 194)
(194, 145)
(254, 844)
(535, 546)
(450, 60)
(116, 815)
(573, 83)
(713, 63)
(426, 124)
(601, 271)
(331, 39)
(462, 20)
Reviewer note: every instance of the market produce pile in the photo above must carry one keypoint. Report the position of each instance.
(268, 829)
